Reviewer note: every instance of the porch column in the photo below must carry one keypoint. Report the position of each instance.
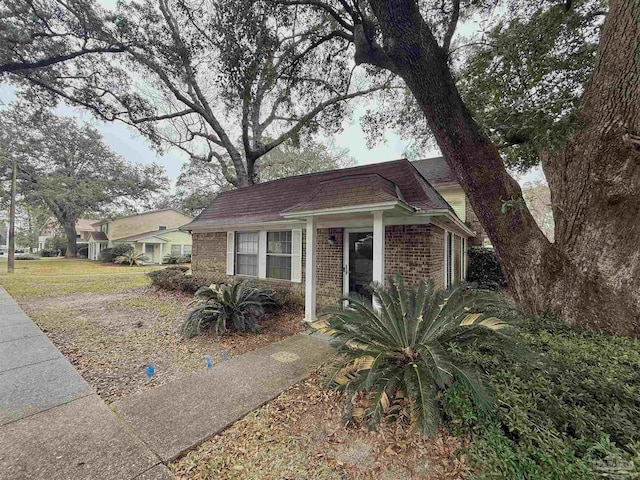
(144, 249)
(310, 272)
(378, 249)
(160, 254)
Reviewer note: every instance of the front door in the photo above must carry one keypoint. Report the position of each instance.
(148, 252)
(358, 263)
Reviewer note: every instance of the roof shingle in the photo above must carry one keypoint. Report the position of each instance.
(435, 170)
(266, 201)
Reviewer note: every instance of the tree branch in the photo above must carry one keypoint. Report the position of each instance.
(451, 29)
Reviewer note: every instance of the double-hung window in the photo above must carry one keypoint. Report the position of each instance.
(246, 254)
(175, 250)
(279, 255)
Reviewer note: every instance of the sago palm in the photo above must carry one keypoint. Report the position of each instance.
(221, 307)
(404, 347)
(131, 259)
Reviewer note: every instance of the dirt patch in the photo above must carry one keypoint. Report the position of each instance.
(111, 338)
(302, 434)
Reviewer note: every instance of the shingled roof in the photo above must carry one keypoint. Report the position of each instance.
(435, 170)
(397, 180)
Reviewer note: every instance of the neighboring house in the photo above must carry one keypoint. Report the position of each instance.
(52, 228)
(155, 234)
(332, 233)
(438, 174)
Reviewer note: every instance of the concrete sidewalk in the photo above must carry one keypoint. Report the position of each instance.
(180, 415)
(52, 424)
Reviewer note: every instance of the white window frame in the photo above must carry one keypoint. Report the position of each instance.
(235, 254)
(267, 255)
(296, 254)
(449, 258)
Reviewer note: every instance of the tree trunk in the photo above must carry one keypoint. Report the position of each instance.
(72, 246)
(594, 286)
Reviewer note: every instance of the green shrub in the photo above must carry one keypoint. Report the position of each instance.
(27, 256)
(407, 348)
(48, 253)
(237, 305)
(175, 279)
(108, 255)
(288, 297)
(567, 409)
(170, 259)
(484, 269)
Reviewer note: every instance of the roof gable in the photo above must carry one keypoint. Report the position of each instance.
(396, 180)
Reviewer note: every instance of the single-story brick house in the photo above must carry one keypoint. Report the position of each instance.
(332, 233)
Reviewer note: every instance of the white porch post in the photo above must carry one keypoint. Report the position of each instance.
(160, 254)
(144, 249)
(378, 249)
(310, 272)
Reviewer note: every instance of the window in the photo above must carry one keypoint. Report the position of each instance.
(247, 253)
(175, 250)
(448, 259)
(187, 249)
(463, 259)
(279, 255)
(162, 227)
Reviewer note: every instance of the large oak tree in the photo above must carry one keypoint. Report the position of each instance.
(590, 275)
(67, 168)
(225, 82)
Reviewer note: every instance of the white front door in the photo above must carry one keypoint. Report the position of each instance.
(358, 262)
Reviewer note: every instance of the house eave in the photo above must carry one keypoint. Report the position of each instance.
(365, 208)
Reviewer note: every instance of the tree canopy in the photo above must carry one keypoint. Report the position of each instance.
(225, 82)
(68, 169)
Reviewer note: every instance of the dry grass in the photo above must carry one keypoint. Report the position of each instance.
(111, 323)
(302, 434)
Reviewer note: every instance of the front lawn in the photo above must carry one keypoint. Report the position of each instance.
(110, 323)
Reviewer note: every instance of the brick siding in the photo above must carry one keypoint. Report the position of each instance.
(413, 251)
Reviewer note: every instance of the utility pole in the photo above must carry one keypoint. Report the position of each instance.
(12, 222)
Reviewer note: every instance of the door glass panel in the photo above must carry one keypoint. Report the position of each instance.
(360, 263)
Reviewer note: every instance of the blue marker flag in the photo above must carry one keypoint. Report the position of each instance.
(224, 357)
(208, 360)
(150, 370)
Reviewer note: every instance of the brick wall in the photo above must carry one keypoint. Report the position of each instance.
(415, 251)
(329, 277)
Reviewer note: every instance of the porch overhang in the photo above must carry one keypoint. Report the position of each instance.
(392, 207)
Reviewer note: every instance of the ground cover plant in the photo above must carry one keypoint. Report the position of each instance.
(238, 305)
(110, 322)
(567, 409)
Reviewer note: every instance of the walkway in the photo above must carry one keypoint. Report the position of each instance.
(52, 423)
(54, 426)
